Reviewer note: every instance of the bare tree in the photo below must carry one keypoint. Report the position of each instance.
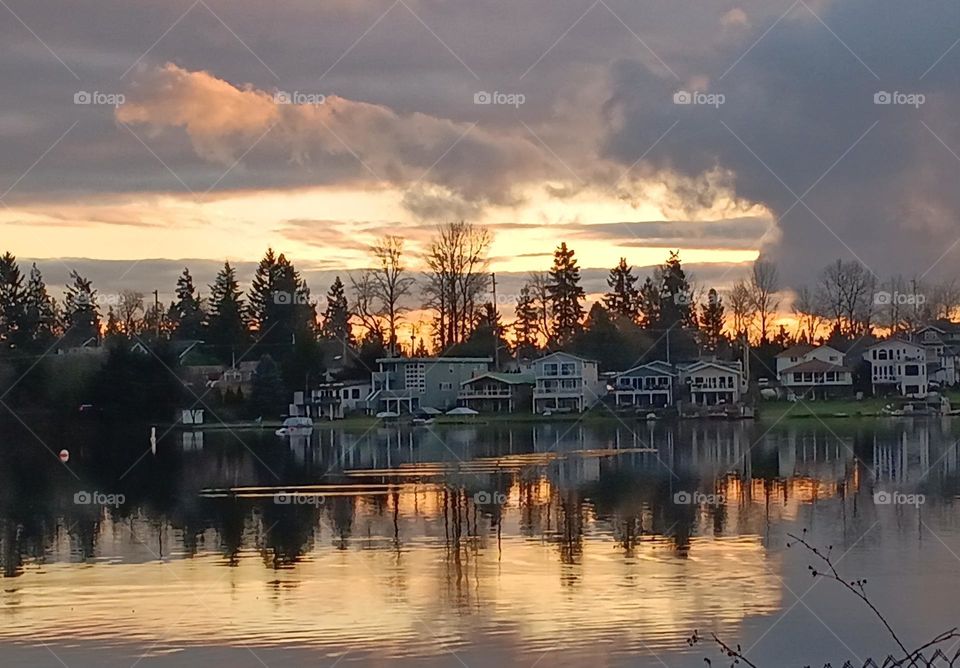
(458, 264)
(539, 280)
(390, 284)
(763, 288)
(741, 308)
(809, 311)
(365, 305)
(847, 290)
(130, 311)
(943, 300)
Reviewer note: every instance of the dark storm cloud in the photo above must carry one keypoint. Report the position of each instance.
(795, 104)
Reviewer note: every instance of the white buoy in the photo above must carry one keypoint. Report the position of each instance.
(153, 440)
(64, 456)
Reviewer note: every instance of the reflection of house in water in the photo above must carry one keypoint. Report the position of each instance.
(813, 452)
(904, 457)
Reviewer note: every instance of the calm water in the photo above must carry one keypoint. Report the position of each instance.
(546, 545)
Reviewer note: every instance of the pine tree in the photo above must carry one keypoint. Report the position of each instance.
(565, 295)
(527, 324)
(12, 304)
(113, 328)
(263, 292)
(648, 304)
(336, 318)
(623, 298)
(228, 325)
(712, 321)
(187, 311)
(268, 395)
(41, 311)
(676, 297)
(280, 309)
(81, 313)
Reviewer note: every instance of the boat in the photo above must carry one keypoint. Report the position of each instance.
(295, 426)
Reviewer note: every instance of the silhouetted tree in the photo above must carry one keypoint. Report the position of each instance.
(566, 295)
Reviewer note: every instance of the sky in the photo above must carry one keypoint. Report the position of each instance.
(138, 137)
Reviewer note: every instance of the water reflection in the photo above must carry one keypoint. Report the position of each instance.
(549, 535)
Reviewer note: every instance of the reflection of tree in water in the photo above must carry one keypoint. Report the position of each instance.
(289, 531)
(340, 511)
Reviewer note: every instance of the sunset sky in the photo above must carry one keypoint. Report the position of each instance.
(204, 160)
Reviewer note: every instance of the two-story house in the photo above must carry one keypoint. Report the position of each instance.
(898, 366)
(565, 383)
(814, 371)
(405, 384)
(942, 343)
(712, 382)
(494, 392)
(652, 384)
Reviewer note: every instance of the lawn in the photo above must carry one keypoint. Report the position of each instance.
(775, 410)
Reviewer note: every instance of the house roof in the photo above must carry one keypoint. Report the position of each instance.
(815, 366)
(896, 340)
(701, 364)
(798, 350)
(434, 360)
(508, 378)
(656, 368)
(561, 353)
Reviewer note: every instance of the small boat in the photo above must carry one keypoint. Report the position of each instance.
(295, 426)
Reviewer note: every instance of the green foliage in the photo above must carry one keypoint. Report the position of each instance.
(269, 396)
(565, 295)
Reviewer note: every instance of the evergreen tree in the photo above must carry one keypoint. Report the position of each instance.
(186, 314)
(336, 318)
(623, 298)
(676, 297)
(601, 339)
(228, 326)
(280, 309)
(40, 311)
(268, 395)
(565, 295)
(12, 304)
(113, 328)
(648, 304)
(81, 313)
(712, 321)
(486, 336)
(527, 324)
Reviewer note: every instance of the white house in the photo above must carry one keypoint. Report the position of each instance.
(650, 384)
(816, 371)
(712, 382)
(943, 352)
(898, 366)
(565, 382)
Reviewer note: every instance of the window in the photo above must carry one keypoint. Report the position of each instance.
(445, 387)
(567, 369)
(911, 370)
(549, 369)
(881, 354)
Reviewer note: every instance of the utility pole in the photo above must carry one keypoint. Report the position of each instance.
(156, 312)
(496, 318)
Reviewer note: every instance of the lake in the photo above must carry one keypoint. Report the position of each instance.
(559, 544)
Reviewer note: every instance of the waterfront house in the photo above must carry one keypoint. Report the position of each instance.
(652, 384)
(405, 384)
(898, 366)
(494, 392)
(942, 344)
(709, 382)
(814, 371)
(566, 383)
(332, 400)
